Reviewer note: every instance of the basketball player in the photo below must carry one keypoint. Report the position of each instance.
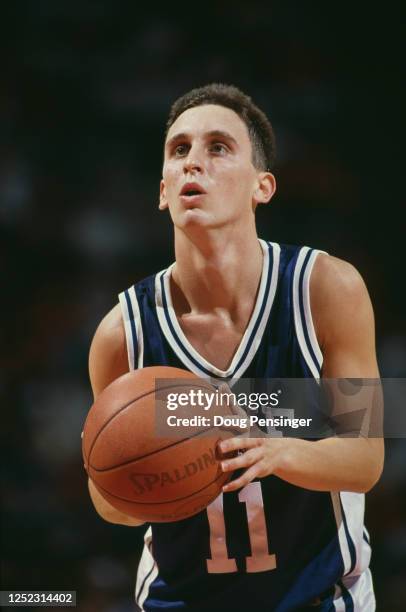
(287, 533)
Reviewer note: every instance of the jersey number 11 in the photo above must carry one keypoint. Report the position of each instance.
(260, 559)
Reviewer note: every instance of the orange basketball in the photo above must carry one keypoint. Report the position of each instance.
(157, 479)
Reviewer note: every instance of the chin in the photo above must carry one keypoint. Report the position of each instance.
(194, 217)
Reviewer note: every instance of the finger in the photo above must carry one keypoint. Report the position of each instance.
(243, 480)
(259, 469)
(239, 443)
(244, 460)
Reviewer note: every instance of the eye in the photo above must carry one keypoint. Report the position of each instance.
(218, 148)
(180, 150)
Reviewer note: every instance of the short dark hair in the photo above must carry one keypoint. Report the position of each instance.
(259, 127)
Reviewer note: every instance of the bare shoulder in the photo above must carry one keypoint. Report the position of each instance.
(334, 274)
(339, 297)
(108, 352)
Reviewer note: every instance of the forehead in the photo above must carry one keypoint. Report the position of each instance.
(209, 118)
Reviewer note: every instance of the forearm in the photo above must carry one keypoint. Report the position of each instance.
(108, 512)
(333, 464)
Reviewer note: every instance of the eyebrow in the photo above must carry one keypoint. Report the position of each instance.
(212, 134)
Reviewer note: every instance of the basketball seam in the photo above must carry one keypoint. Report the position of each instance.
(156, 451)
(124, 408)
(157, 503)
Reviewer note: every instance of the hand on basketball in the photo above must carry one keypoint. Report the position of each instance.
(261, 457)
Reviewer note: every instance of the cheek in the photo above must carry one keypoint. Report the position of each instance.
(170, 175)
(239, 183)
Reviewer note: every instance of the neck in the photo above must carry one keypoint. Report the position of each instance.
(221, 271)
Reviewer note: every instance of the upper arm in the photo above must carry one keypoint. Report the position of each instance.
(344, 319)
(108, 352)
(345, 328)
(108, 360)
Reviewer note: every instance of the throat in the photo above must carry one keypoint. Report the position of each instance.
(214, 339)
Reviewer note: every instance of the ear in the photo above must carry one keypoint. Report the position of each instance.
(265, 189)
(163, 202)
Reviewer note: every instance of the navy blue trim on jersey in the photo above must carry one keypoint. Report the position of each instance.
(179, 342)
(300, 324)
(261, 312)
(347, 598)
(351, 546)
(132, 323)
(147, 575)
(302, 313)
(311, 580)
(175, 336)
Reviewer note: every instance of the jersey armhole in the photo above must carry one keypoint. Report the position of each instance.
(304, 326)
(133, 330)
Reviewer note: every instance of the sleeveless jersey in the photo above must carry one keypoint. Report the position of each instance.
(271, 546)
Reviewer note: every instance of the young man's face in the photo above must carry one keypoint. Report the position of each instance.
(208, 176)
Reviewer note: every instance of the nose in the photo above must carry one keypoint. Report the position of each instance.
(192, 162)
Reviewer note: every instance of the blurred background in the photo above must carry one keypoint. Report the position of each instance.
(86, 87)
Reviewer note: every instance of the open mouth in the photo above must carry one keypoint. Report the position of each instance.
(192, 192)
(191, 189)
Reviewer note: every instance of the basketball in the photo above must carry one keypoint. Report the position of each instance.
(156, 479)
